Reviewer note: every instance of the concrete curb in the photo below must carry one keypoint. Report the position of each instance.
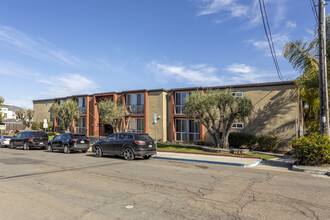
(257, 162)
(301, 169)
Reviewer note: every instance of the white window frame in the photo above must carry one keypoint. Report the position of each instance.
(136, 129)
(187, 133)
(238, 94)
(183, 102)
(138, 108)
(238, 126)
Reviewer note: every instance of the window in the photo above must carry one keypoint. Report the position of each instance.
(187, 130)
(82, 105)
(112, 137)
(136, 125)
(60, 102)
(46, 103)
(136, 102)
(81, 126)
(238, 126)
(238, 94)
(122, 136)
(5, 114)
(180, 100)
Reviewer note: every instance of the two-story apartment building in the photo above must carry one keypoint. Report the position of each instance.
(275, 104)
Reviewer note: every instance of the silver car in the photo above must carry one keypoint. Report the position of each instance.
(5, 140)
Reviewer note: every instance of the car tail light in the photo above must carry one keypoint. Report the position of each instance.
(75, 139)
(140, 142)
(87, 139)
(31, 139)
(5, 140)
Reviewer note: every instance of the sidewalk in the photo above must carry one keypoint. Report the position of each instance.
(210, 159)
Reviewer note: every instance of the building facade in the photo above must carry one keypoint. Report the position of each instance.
(276, 111)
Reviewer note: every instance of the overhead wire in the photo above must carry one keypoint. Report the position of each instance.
(313, 6)
(269, 37)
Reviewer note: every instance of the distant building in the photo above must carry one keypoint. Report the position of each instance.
(10, 120)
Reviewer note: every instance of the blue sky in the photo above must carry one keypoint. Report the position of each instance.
(68, 47)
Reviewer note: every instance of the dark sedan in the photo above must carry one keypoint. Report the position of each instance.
(29, 139)
(128, 145)
(68, 142)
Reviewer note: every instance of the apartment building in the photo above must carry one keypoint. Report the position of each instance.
(276, 111)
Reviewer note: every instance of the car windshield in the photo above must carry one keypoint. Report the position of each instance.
(142, 137)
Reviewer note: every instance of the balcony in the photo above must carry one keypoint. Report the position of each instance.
(136, 109)
(82, 110)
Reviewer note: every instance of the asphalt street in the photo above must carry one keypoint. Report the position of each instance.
(41, 185)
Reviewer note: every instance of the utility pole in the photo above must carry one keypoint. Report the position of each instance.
(323, 79)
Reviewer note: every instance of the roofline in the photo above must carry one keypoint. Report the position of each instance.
(176, 89)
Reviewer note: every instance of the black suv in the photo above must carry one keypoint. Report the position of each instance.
(29, 139)
(68, 142)
(128, 145)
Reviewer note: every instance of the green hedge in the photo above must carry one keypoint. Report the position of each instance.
(312, 150)
(268, 142)
(237, 140)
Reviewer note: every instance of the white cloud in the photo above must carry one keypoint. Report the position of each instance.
(40, 48)
(291, 24)
(14, 69)
(279, 41)
(215, 6)
(239, 68)
(194, 74)
(69, 84)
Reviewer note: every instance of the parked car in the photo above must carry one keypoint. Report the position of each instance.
(5, 140)
(128, 145)
(29, 139)
(68, 142)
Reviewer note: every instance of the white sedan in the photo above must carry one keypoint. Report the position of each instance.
(5, 140)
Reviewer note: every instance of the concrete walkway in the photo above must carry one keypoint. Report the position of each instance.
(199, 158)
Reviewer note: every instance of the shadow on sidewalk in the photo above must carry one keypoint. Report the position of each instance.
(285, 161)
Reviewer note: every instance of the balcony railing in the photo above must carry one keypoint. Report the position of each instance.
(81, 130)
(136, 109)
(82, 110)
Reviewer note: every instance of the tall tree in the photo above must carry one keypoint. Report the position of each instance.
(2, 100)
(67, 112)
(26, 116)
(303, 56)
(112, 113)
(217, 111)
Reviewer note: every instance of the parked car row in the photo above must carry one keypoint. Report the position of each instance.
(128, 145)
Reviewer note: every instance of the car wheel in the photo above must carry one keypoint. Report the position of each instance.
(128, 154)
(50, 149)
(147, 156)
(84, 151)
(11, 146)
(66, 149)
(98, 151)
(26, 146)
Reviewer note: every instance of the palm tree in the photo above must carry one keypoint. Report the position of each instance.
(304, 57)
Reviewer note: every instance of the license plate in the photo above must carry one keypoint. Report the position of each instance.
(150, 145)
(82, 142)
(41, 143)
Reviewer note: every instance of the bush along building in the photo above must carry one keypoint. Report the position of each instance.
(276, 112)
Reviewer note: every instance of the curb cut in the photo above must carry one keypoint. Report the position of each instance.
(212, 162)
(319, 172)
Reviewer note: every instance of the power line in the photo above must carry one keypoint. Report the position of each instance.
(313, 6)
(269, 37)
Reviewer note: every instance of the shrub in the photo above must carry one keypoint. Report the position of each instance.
(313, 150)
(237, 139)
(35, 125)
(268, 142)
(200, 142)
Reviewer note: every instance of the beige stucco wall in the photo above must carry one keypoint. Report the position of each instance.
(157, 104)
(43, 111)
(275, 111)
